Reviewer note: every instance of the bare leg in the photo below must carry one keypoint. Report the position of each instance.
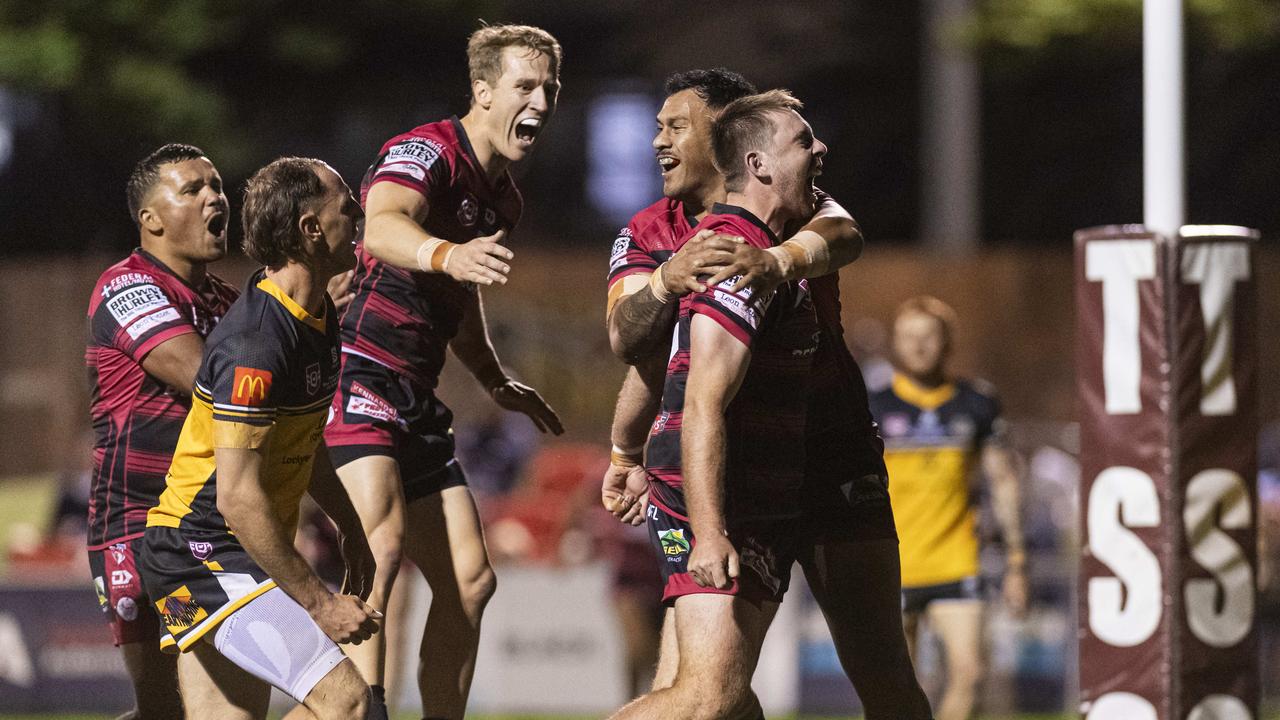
(446, 542)
(155, 680)
(668, 652)
(214, 687)
(857, 585)
(959, 624)
(373, 483)
(635, 616)
(719, 638)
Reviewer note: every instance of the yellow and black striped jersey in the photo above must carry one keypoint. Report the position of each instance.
(265, 382)
(933, 438)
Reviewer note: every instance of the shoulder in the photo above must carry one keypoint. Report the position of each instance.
(422, 146)
(979, 394)
(735, 225)
(662, 212)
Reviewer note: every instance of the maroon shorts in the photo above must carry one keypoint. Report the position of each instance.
(378, 412)
(119, 587)
(766, 551)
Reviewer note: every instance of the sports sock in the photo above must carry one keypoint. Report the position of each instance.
(377, 708)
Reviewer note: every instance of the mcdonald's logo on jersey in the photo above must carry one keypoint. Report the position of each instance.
(251, 386)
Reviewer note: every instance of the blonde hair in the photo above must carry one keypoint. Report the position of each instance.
(745, 125)
(484, 49)
(934, 308)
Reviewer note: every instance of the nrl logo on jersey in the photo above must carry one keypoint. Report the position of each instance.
(313, 378)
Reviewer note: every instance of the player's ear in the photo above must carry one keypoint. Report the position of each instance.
(481, 93)
(309, 225)
(149, 220)
(757, 164)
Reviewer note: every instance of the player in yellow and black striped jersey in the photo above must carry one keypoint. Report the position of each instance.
(219, 561)
(937, 431)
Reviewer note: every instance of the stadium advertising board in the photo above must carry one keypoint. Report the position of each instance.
(1165, 366)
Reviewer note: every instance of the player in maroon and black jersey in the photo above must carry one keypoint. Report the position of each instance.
(439, 202)
(148, 317)
(850, 553)
(726, 455)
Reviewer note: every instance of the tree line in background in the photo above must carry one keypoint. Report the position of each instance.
(90, 85)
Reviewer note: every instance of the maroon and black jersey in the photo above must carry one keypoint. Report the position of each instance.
(649, 239)
(404, 320)
(844, 440)
(137, 304)
(765, 422)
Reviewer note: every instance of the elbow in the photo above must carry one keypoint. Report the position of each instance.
(626, 349)
(849, 240)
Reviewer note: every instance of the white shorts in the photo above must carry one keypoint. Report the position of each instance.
(274, 639)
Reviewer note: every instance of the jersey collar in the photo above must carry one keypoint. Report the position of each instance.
(296, 310)
(726, 209)
(922, 397)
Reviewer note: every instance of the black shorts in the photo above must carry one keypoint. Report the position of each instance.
(916, 599)
(766, 551)
(379, 412)
(196, 580)
(120, 595)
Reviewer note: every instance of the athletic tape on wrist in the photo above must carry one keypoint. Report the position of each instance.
(657, 286)
(624, 457)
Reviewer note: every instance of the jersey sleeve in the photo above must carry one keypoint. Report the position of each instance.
(243, 373)
(417, 162)
(135, 315)
(628, 257)
(991, 424)
(740, 312)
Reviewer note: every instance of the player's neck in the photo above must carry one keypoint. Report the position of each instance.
(192, 272)
(302, 284)
(763, 204)
(699, 205)
(928, 381)
(492, 162)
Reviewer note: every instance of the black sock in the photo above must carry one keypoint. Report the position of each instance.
(379, 693)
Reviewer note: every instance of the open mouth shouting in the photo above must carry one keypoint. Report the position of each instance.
(216, 223)
(667, 163)
(527, 131)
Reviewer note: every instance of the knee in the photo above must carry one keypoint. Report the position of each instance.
(387, 546)
(347, 698)
(476, 590)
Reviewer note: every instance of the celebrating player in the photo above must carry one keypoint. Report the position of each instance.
(148, 316)
(936, 429)
(439, 202)
(727, 452)
(218, 562)
(849, 552)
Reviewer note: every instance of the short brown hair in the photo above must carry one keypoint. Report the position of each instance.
(745, 125)
(934, 308)
(274, 199)
(147, 172)
(484, 49)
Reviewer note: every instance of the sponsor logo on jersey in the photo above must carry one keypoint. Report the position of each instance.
(618, 255)
(136, 302)
(419, 150)
(674, 544)
(155, 319)
(118, 553)
(468, 211)
(490, 217)
(412, 169)
(313, 378)
(200, 550)
(125, 280)
(180, 611)
(100, 588)
(120, 578)
(250, 386)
